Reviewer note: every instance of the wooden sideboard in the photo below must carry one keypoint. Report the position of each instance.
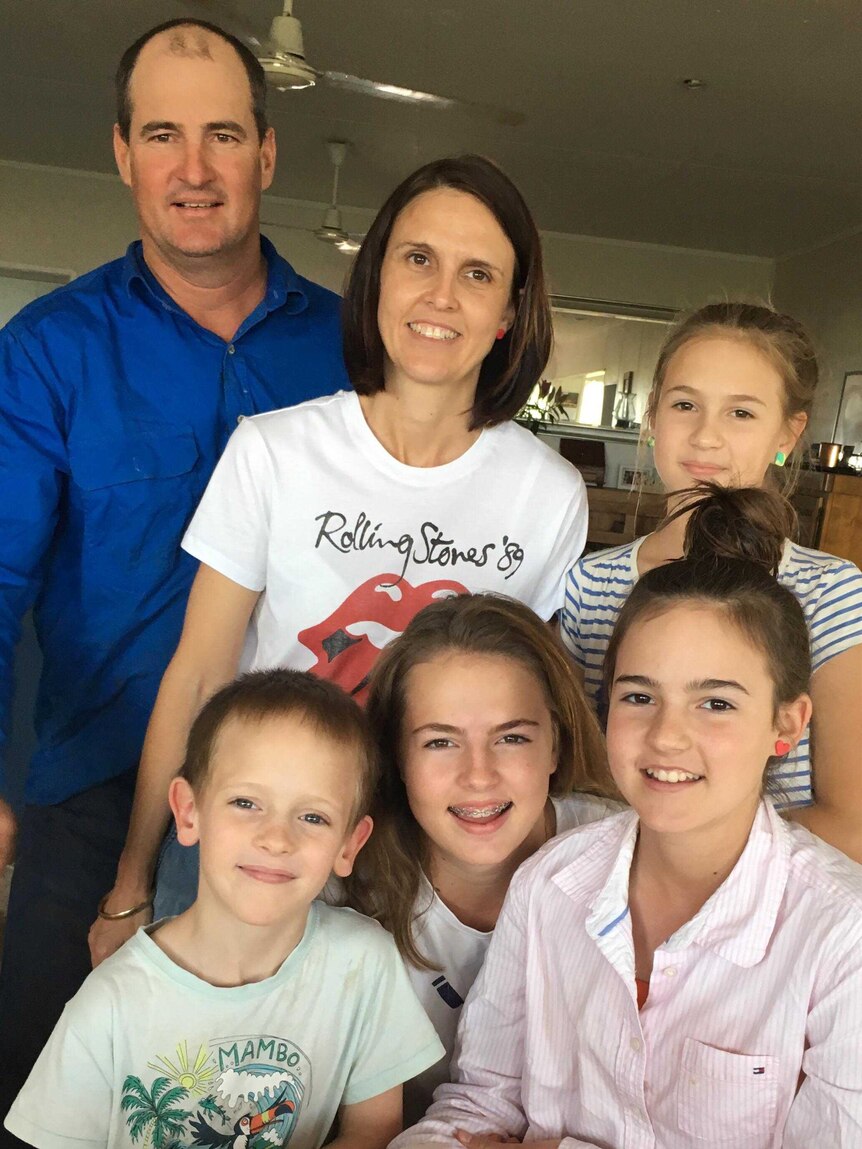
(618, 517)
(841, 530)
(829, 507)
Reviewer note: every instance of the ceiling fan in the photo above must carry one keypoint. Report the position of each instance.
(282, 55)
(331, 229)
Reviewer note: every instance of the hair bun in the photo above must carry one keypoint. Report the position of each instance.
(748, 523)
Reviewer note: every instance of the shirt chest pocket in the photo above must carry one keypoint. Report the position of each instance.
(136, 491)
(132, 457)
(727, 1098)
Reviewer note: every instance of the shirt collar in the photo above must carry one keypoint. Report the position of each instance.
(736, 923)
(284, 287)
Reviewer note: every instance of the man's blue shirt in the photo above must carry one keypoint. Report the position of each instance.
(114, 408)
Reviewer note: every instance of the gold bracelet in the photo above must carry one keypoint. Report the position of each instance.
(115, 917)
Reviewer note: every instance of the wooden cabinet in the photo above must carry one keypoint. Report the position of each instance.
(829, 507)
(841, 532)
(618, 517)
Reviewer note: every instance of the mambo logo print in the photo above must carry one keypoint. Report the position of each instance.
(429, 547)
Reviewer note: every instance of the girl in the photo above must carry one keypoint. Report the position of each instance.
(689, 972)
(485, 735)
(327, 526)
(733, 390)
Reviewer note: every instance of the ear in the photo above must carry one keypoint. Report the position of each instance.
(555, 749)
(353, 843)
(267, 159)
(793, 428)
(121, 155)
(793, 718)
(508, 317)
(650, 410)
(181, 798)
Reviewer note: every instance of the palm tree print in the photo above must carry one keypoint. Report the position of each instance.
(153, 1113)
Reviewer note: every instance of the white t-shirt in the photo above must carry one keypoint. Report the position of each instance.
(146, 1053)
(829, 589)
(346, 543)
(459, 951)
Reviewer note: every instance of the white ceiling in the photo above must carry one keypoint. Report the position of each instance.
(766, 159)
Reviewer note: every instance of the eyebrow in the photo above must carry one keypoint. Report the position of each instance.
(442, 728)
(740, 398)
(691, 687)
(213, 126)
(483, 263)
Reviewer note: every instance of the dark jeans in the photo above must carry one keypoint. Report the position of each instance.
(65, 862)
(176, 877)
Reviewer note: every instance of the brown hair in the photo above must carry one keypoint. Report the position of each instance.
(269, 694)
(386, 883)
(253, 69)
(780, 338)
(514, 364)
(733, 544)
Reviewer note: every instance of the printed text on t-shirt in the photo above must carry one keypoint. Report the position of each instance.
(430, 548)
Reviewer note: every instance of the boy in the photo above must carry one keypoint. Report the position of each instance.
(259, 1016)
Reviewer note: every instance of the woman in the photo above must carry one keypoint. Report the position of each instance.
(733, 390)
(326, 527)
(486, 740)
(689, 972)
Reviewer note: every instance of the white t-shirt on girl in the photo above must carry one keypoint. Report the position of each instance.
(346, 543)
(459, 951)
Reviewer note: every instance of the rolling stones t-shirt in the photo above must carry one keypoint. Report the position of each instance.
(147, 1054)
(346, 543)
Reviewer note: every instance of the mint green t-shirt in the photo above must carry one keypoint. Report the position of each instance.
(148, 1054)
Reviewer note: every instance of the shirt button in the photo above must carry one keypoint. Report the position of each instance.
(230, 349)
(636, 1044)
(671, 971)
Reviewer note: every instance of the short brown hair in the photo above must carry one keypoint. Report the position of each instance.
(268, 694)
(253, 69)
(515, 363)
(780, 338)
(386, 883)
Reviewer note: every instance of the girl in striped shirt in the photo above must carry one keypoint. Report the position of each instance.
(733, 390)
(688, 972)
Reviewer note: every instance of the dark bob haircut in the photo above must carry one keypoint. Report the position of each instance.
(264, 695)
(255, 73)
(515, 363)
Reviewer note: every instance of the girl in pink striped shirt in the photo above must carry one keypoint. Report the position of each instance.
(689, 972)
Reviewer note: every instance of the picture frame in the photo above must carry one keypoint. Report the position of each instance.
(629, 477)
(848, 424)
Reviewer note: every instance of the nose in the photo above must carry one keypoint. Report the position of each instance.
(442, 293)
(706, 432)
(274, 836)
(478, 769)
(668, 732)
(195, 168)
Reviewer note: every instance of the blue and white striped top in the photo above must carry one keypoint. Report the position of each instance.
(829, 589)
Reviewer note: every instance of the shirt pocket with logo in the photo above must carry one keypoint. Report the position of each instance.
(727, 1098)
(136, 492)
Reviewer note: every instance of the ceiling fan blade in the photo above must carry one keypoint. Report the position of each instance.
(231, 17)
(426, 99)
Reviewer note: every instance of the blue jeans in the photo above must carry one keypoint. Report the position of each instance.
(66, 860)
(176, 877)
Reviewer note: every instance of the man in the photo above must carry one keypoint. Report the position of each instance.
(117, 395)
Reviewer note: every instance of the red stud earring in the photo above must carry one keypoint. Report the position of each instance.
(782, 747)
(501, 331)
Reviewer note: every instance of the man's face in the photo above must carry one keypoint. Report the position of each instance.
(193, 160)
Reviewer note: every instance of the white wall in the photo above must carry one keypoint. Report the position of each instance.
(823, 288)
(57, 219)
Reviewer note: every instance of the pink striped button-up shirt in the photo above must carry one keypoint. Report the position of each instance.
(762, 986)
